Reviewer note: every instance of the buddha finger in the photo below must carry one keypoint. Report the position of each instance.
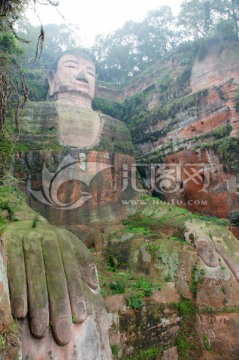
(16, 275)
(60, 309)
(74, 282)
(86, 264)
(36, 284)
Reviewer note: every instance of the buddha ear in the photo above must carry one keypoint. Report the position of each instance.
(51, 80)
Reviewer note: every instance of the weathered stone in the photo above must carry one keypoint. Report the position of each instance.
(115, 303)
(57, 268)
(170, 354)
(219, 334)
(73, 80)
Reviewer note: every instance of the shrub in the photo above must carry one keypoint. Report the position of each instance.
(206, 343)
(235, 218)
(35, 220)
(118, 287)
(134, 301)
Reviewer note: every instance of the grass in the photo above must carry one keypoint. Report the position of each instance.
(197, 279)
(188, 342)
(117, 287)
(115, 349)
(3, 343)
(126, 283)
(148, 354)
(35, 220)
(206, 343)
(134, 301)
(153, 249)
(175, 238)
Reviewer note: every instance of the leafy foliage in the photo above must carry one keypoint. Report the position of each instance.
(125, 52)
(109, 107)
(210, 18)
(117, 286)
(134, 301)
(206, 343)
(235, 218)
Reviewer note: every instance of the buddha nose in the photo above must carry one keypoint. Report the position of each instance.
(81, 76)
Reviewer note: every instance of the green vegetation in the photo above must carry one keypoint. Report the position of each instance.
(144, 285)
(8, 336)
(117, 286)
(186, 308)
(3, 343)
(139, 119)
(188, 342)
(235, 218)
(153, 249)
(127, 283)
(175, 238)
(197, 279)
(115, 349)
(222, 131)
(134, 301)
(35, 220)
(7, 205)
(226, 147)
(109, 107)
(149, 354)
(211, 219)
(237, 101)
(223, 289)
(136, 230)
(206, 343)
(170, 110)
(6, 152)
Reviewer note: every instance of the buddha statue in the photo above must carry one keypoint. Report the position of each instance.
(85, 154)
(53, 283)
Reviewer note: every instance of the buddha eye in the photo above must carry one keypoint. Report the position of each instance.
(91, 72)
(71, 66)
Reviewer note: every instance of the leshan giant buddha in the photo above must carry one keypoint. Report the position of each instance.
(94, 150)
(74, 171)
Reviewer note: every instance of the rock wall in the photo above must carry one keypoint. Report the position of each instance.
(170, 282)
(192, 120)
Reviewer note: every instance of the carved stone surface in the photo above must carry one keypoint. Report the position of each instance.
(54, 293)
(73, 81)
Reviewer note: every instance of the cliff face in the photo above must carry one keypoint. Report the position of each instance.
(169, 278)
(191, 122)
(170, 285)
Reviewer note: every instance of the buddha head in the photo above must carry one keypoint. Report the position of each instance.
(72, 81)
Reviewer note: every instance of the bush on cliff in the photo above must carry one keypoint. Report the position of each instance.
(235, 218)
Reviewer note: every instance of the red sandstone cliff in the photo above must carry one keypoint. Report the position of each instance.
(193, 123)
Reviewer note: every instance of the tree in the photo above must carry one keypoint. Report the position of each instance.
(11, 77)
(129, 50)
(201, 18)
(197, 18)
(57, 39)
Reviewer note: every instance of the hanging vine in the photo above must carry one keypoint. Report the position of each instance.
(12, 83)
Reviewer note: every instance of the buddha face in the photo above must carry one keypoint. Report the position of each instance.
(74, 77)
